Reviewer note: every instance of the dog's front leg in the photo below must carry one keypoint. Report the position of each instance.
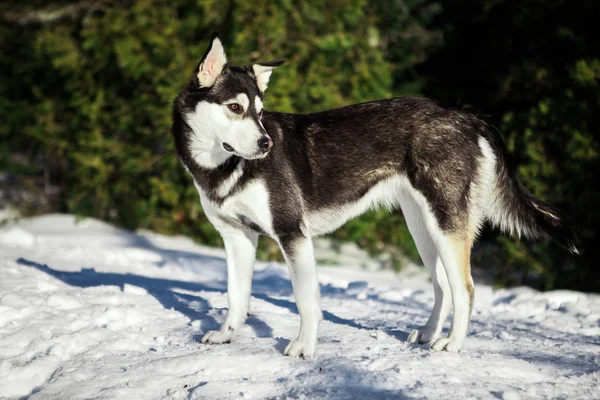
(240, 248)
(298, 252)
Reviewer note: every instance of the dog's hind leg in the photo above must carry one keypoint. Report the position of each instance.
(455, 252)
(240, 247)
(446, 253)
(431, 259)
(441, 308)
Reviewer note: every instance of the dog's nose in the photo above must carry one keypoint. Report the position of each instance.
(265, 143)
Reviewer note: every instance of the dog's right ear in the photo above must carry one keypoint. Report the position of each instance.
(212, 63)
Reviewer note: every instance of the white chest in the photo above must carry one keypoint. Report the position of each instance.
(251, 205)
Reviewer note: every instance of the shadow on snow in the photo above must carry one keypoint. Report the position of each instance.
(194, 306)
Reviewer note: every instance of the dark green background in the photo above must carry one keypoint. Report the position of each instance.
(86, 90)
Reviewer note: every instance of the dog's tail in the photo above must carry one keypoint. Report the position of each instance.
(515, 210)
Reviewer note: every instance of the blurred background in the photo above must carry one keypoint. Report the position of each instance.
(86, 90)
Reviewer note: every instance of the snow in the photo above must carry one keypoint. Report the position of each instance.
(91, 311)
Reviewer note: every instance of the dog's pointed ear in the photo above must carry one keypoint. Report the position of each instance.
(212, 64)
(262, 72)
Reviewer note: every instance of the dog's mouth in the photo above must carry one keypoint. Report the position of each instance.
(256, 156)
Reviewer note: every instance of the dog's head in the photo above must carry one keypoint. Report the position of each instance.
(223, 106)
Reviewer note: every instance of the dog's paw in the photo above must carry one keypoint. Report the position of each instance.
(446, 344)
(414, 336)
(217, 337)
(421, 336)
(299, 349)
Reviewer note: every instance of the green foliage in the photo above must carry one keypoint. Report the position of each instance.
(86, 91)
(89, 92)
(332, 60)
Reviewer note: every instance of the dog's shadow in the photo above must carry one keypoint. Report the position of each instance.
(193, 307)
(268, 287)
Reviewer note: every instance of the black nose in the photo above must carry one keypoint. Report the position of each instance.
(265, 143)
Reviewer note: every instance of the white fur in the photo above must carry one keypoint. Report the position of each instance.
(483, 187)
(306, 291)
(228, 184)
(252, 202)
(205, 147)
(459, 292)
(263, 74)
(415, 220)
(258, 104)
(493, 198)
(240, 248)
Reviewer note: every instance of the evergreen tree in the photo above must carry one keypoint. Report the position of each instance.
(88, 88)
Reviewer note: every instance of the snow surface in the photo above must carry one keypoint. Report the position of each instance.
(89, 311)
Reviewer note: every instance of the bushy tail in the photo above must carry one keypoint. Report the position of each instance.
(515, 210)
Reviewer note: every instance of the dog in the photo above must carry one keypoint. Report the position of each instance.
(295, 176)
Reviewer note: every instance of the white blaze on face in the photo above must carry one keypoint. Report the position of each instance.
(258, 104)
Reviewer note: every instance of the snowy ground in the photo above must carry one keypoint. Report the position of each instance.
(90, 311)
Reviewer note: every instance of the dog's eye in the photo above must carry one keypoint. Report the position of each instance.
(236, 108)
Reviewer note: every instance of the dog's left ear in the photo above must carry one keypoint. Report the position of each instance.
(212, 63)
(262, 72)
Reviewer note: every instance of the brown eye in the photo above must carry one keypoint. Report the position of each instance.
(236, 108)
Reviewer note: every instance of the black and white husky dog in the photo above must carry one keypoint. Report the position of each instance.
(295, 176)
